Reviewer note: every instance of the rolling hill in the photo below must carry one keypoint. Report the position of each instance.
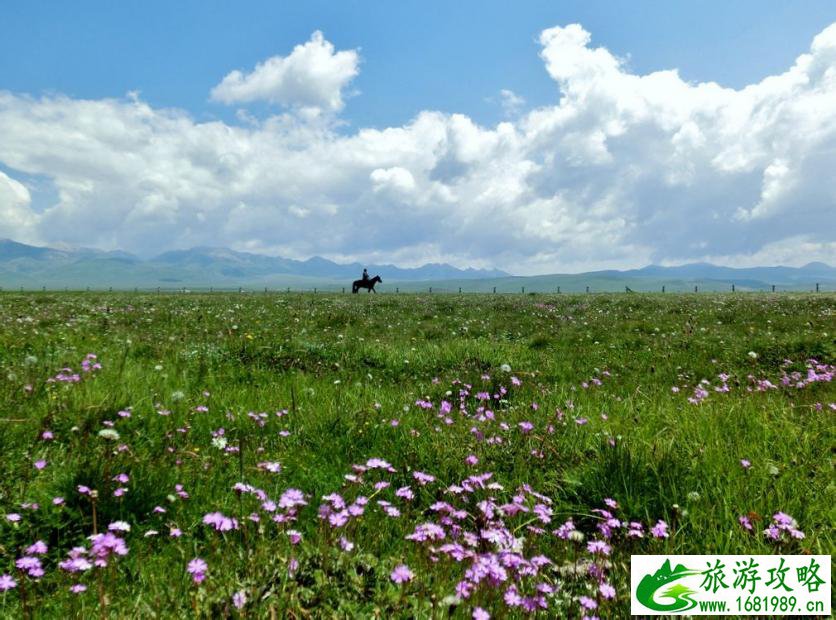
(32, 267)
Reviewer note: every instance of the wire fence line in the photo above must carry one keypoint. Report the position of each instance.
(413, 289)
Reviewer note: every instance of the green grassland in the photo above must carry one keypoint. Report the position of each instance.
(573, 399)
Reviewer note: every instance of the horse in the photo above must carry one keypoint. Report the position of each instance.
(369, 284)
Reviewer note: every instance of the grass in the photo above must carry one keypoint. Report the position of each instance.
(345, 374)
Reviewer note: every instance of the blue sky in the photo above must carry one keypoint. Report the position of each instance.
(660, 169)
(451, 56)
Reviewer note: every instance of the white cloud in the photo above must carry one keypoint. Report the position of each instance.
(623, 169)
(395, 178)
(511, 102)
(313, 76)
(17, 220)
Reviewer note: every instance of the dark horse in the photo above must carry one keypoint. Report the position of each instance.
(369, 284)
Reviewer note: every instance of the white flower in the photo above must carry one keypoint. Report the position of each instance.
(576, 536)
(219, 442)
(752, 355)
(119, 526)
(505, 368)
(109, 433)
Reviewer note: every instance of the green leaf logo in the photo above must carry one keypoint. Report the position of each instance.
(679, 594)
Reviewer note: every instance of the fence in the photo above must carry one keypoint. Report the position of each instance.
(415, 288)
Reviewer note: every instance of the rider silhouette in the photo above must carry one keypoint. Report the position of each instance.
(365, 277)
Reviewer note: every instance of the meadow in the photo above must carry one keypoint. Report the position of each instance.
(400, 456)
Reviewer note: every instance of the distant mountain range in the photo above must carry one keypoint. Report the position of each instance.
(34, 267)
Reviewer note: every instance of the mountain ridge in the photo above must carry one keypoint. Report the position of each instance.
(27, 266)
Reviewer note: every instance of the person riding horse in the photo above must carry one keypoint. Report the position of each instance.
(365, 282)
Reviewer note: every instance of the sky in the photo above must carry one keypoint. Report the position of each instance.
(534, 137)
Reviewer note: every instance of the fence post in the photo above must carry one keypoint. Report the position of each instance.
(663, 288)
(494, 289)
(265, 289)
(773, 288)
(314, 290)
(343, 290)
(732, 288)
(695, 289)
(817, 287)
(397, 290)
(431, 289)
(460, 290)
(587, 289)
(558, 290)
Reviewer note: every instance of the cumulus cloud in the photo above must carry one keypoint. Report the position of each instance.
(622, 170)
(17, 220)
(313, 75)
(392, 178)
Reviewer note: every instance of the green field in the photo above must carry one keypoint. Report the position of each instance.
(542, 438)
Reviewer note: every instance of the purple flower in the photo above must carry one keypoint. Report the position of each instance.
(376, 463)
(104, 545)
(599, 547)
(606, 590)
(292, 498)
(480, 614)
(7, 582)
(422, 478)
(272, 467)
(745, 463)
(197, 569)
(37, 548)
(660, 530)
(31, 565)
(40, 464)
(426, 531)
(78, 588)
(220, 522)
(401, 574)
(239, 599)
(405, 493)
(587, 603)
